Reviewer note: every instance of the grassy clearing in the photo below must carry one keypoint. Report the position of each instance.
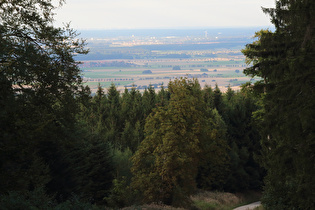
(152, 207)
(205, 200)
(215, 200)
(259, 208)
(110, 74)
(96, 75)
(127, 73)
(98, 68)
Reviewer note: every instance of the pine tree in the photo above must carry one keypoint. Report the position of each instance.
(98, 112)
(208, 96)
(93, 165)
(284, 59)
(113, 121)
(163, 97)
(148, 100)
(217, 99)
(126, 104)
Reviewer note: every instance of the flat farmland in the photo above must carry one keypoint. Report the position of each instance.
(158, 72)
(139, 58)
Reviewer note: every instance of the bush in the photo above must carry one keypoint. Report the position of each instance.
(120, 194)
(36, 199)
(176, 68)
(147, 72)
(75, 203)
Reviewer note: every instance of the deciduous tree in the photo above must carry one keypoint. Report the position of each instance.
(166, 163)
(40, 84)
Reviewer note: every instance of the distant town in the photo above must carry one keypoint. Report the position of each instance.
(128, 59)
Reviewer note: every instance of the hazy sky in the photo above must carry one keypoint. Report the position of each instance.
(134, 14)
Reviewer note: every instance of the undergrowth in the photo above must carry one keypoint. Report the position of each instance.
(205, 200)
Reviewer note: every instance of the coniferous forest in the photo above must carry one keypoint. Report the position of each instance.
(62, 148)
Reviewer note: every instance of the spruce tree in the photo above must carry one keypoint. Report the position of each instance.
(163, 97)
(244, 140)
(113, 121)
(148, 100)
(284, 60)
(208, 96)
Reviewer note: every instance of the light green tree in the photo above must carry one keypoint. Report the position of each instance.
(166, 164)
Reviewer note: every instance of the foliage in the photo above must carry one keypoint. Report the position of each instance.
(163, 97)
(42, 91)
(284, 60)
(244, 140)
(166, 163)
(148, 100)
(122, 162)
(40, 81)
(214, 160)
(93, 168)
(37, 199)
(226, 151)
(121, 194)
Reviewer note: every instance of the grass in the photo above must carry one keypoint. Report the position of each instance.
(206, 205)
(99, 68)
(205, 200)
(152, 207)
(259, 208)
(127, 72)
(215, 200)
(110, 74)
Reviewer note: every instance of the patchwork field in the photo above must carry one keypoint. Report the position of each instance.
(158, 72)
(155, 57)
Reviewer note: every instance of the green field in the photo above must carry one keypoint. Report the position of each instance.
(221, 71)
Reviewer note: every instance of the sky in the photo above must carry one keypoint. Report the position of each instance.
(163, 14)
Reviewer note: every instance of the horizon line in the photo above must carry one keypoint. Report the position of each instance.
(179, 28)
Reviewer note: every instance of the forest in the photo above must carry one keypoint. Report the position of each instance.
(62, 148)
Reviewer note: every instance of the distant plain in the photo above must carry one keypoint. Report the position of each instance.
(210, 56)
